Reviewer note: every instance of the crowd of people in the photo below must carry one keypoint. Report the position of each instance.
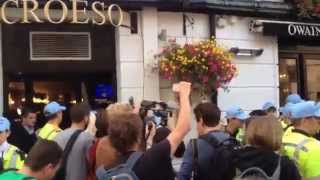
(118, 143)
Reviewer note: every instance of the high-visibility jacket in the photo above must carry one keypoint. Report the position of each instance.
(13, 158)
(304, 150)
(48, 132)
(240, 135)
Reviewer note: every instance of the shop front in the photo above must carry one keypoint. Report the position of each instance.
(299, 56)
(64, 63)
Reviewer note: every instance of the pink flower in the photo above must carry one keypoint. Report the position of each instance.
(214, 67)
(205, 79)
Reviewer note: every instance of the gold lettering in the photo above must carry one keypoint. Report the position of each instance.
(99, 13)
(120, 15)
(47, 11)
(32, 11)
(3, 11)
(75, 12)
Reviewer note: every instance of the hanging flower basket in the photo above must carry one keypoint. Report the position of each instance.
(206, 64)
(308, 8)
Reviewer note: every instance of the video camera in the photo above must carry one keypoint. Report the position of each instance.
(160, 112)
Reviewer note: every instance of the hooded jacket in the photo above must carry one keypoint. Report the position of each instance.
(249, 156)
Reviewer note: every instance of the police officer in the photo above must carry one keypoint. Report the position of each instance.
(11, 156)
(236, 118)
(299, 145)
(269, 108)
(53, 112)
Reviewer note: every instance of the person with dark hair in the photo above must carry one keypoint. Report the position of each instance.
(41, 164)
(208, 127)
(23, 133)
(53, 112)
(125, 133)
(101, 135)
(77, 163)
(269, 108)
(258, 112)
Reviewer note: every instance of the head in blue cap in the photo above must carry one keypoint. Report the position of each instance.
(294, 99)
(4, 129)
(236, 118)
(269, 107)
(305, 116)
(53, 110)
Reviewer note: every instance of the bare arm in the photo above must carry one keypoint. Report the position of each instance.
(184, 117)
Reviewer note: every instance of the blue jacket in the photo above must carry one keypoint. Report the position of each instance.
(205, 154)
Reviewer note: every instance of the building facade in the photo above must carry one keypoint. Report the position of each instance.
(69, 63)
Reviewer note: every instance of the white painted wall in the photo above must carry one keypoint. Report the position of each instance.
(257, 81)
(172, 23)
(129, 51)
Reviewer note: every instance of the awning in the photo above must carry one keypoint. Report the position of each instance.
(287, 29)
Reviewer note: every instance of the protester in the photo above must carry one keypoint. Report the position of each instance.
(11, 156)
(208, 119)
(106, 154)
(125, 133)
(53, 112)
(102, 132)
(269, 108)
(236, 118)
(299, 145)
(23, 133)
(263, 136)
(41, 164)
(77, 166)
(258, 112)
(160, 134)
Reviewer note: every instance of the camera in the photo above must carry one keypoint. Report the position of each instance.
(156, 112)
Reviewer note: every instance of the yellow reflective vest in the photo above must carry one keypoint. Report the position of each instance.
(240, 135)
(305, 151)
(13, 158)
(48, 132)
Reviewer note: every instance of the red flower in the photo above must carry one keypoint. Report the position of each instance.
(205, 79)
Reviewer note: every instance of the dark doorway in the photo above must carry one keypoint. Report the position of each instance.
(37, 90)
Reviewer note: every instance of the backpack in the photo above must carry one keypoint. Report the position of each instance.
(121, 172)
(221, 167)
(255, 173)
(62, 171)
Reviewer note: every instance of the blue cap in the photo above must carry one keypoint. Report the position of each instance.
(303, 110)
(4, 124)
(53, 108)
(267, 106)
(286, 110)
(294, 99)
(236, 112)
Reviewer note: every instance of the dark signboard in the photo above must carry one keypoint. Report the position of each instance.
(292, 30)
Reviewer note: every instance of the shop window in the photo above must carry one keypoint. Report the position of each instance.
(60, 46)
(16, 96)
(287, 77)
(313, 78)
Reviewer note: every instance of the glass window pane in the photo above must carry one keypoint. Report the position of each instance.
(313, 79)
(288, 78)
(16, 97)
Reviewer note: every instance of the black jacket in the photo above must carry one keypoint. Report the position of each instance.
(21, 138)
(248, 157)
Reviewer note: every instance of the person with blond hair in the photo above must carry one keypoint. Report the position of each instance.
(264, 139)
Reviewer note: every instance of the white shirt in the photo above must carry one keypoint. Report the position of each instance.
(29, 129)
(4, 147)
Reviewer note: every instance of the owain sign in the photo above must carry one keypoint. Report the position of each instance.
(292, 30)
(57, 11)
